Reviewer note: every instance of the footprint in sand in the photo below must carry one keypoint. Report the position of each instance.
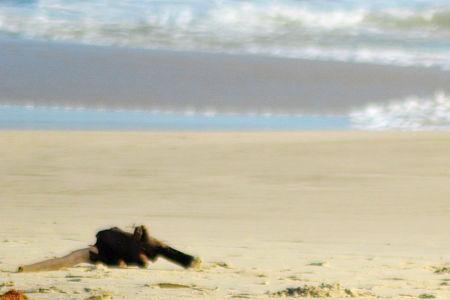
(46, 290)
(219, 264)
(426, 296)
(74, 278)
(98, 294)
(322, 291)
(104, 296)
(294, 278)
(6, 284)
(319, 264)
(243, 296)
(441, 270)
(170, 285)
(394, 279)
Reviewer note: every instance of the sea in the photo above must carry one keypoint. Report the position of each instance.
(225, 64)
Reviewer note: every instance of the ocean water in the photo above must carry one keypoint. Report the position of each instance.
(409, 114)
(400, 32)
(46, 85)
(29, 117)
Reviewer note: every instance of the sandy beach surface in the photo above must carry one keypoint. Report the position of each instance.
(333, 213)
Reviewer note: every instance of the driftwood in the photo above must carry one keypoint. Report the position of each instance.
(72, 259)
(118, 248)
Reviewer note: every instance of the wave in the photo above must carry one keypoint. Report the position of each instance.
(407, 32)
(410, 114)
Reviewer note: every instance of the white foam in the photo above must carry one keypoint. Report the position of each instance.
(337, 30)
(409, 114)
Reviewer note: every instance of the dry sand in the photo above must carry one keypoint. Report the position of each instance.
(265, 211)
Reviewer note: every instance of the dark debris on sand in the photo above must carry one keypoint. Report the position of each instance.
(322, 291)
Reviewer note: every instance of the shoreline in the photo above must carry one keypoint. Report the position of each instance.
(54, 118)
(58, 74)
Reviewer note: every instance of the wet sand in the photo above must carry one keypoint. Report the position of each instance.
(35, 73)
(265, 211)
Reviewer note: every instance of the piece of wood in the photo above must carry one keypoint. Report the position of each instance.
(70, 260)
(118, 248)
(153, 248)
(136, 248)
(178, 257)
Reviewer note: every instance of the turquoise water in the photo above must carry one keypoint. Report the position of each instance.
(414, 32)
(20, 117)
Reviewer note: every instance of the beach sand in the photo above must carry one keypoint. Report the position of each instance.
(264, 211)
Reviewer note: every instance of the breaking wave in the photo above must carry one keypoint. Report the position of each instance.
(410, 114)
(405, 32)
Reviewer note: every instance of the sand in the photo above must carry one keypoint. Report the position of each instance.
(335, 214)
(64, 75)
